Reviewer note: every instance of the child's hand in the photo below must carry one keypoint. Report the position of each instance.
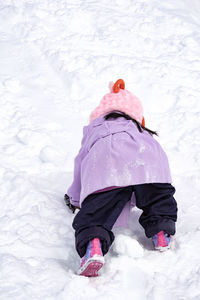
(70, 206)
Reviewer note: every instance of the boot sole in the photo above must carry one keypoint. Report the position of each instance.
(162, 249)
(91, 267)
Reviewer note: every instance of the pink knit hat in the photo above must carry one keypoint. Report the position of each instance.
(121, 100)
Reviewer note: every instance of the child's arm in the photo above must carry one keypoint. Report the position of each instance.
(75, 189)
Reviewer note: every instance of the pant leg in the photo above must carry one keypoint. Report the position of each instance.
(159, 207)
(97, 216)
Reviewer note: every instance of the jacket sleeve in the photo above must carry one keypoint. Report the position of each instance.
(75, 189)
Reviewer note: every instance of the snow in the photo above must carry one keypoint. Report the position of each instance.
(56, 61)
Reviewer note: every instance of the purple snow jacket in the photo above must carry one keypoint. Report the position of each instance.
(115, 154)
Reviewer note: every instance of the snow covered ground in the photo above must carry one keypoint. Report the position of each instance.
(56, 60)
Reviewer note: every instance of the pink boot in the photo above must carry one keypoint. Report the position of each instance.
(161, 241)
(93, 259)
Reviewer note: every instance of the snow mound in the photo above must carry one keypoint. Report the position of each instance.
(125, 245)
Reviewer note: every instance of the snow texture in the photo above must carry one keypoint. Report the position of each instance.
(56, 61)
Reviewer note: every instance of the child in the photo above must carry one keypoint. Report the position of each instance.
(119, 159)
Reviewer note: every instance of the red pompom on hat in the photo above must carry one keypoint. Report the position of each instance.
(122, 100)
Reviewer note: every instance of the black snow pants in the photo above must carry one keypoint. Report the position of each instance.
(100, 211)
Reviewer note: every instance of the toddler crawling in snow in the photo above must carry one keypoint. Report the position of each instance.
(119, 161)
